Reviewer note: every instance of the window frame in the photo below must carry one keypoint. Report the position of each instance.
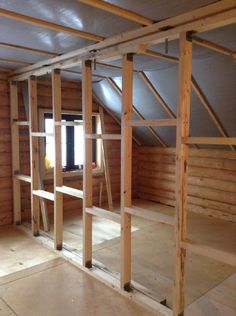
(48, 174)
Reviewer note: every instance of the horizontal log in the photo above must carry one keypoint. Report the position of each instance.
(210, 140)
(151, 122)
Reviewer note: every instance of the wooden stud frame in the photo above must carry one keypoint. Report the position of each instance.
(87, 170)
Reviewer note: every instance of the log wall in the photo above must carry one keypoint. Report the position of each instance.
(211, 179)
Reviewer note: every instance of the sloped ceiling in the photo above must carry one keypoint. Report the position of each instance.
(214, 72)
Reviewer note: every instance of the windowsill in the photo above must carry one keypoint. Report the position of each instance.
(74, 173)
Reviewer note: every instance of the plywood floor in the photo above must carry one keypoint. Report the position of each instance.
(47, 285)
(153, 248)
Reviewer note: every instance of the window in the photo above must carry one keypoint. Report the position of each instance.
(72, 143)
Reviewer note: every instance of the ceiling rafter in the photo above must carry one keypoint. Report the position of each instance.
(49, 25)
(124, 13)
(30, 49)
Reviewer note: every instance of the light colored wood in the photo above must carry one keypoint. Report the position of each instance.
(157, 95)
(14, 61)
(105, 163)
(155, 54)
(213, 253)
(210, 140)
(66, 123)
(41, 134)
(150, 215)
(152, 122)
(34, 154)
(70, 191)
(23, 177)
(30, 49)
(100, 194)
(111, 114)
(213, 46)
(15, 153)
(209, 109)
(48, 25)
(124, 13)
(97, 211)
(126, 171)
(87, 168)
(182, 152)
(140, 116)
(202, 19)
(58, 177)
(103, 136)
(21, 123)
(43, 194)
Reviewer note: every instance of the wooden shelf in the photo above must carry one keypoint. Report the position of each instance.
(97, 211)
(44, 194)
(23, 177)
(70, 191)
(150, 215)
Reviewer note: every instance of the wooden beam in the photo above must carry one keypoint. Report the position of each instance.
(49, 25)
(182, 152)
(136, 111)
(97, 211)
(13, 61)
(34, 155)
(152, 122)
(150, 215)
(155, 54)
(15, 150)
(105, 161)
(157, 95)
(210, 140)
(205, 18)
(70, 191)
(58, 176)
(43, 194)
(213, 46)
(114, 9)
(23, 177)
(30, 49)
(209, 109)
(87, 169)
(99, 101)
(126, 171)
(103, 136)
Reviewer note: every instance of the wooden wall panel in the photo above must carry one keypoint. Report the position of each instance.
(211, 179)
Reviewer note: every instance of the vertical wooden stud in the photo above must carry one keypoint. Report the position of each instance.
(58, 177)
(87, 169)
(126, 170)
(15, 152)
(182, 152)
(34, 154)
(105, 162)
